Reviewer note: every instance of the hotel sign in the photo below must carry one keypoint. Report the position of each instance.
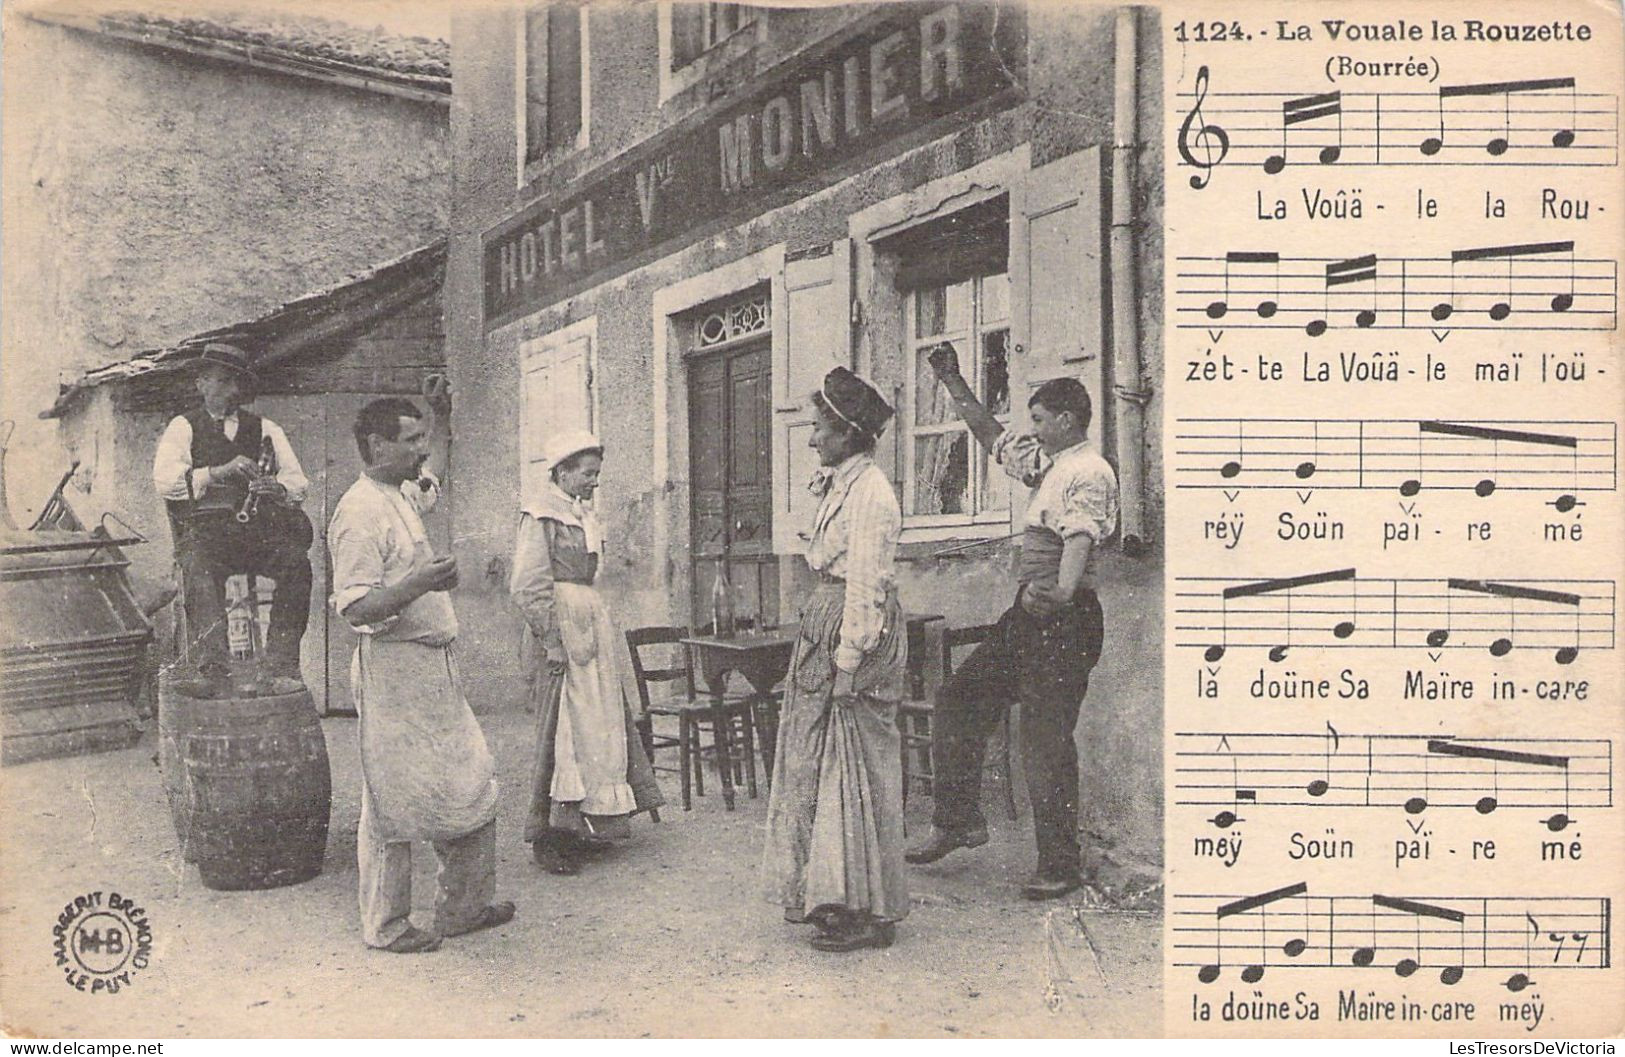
(814, 118)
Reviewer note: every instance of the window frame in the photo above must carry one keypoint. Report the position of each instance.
(531, 169)
(980, 465)
(740, 42)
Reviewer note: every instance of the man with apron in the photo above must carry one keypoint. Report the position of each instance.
(426, 771)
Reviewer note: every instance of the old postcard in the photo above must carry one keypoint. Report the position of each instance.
(917, 519)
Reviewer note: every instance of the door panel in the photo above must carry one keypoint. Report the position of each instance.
(731, 455)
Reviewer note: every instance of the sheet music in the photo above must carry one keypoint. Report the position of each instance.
(1395, 532)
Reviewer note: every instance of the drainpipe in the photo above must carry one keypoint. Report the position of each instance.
(1130, 389)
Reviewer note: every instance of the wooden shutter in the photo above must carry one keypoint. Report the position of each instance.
(687, 33)
(557, 396)
(563, 75)
(1057, 276)
(535, 116)
(811, 334)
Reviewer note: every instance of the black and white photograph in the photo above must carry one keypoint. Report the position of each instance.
(582, 520)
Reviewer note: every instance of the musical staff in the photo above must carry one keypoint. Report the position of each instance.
(1406, 456)
(1526, 286)
(1293, 928)
(1412, 772)
(1341, 609)
(1544, 122)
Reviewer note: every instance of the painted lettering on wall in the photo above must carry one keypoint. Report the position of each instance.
(902, 71)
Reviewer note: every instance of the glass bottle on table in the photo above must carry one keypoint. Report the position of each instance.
(722, 604)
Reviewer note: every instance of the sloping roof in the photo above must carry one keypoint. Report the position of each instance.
(283, 333)
(301, 45)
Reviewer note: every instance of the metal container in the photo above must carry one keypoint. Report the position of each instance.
(72, 643)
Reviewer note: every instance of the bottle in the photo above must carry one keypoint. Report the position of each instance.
(722, 605)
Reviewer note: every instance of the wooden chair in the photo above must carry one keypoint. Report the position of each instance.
(914, 724)
(692, 710)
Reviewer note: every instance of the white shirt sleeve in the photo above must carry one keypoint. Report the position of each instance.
(289, 473)
(172, 461)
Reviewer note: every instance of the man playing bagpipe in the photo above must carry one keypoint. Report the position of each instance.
(233, 487)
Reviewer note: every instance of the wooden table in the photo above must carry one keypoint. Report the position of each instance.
(763, 659)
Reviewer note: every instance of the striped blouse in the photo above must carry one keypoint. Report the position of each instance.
(854, 538)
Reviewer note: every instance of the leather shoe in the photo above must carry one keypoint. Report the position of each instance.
(879, 934)
(1040, 887)
(490, 917)
(413, 941)
(941, 842)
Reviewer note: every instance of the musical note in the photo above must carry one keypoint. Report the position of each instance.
(1233, 467)
(1560, 821)
(1534, 286)
(1518, 981)
(1207, 138)
(1296, 112)
(1266, 307)
(1226, 819)
(1512, 592)
(1450, 974)
(1321, 785)
(1306, 469)
(1561, 616)
(1495, 436)
(1499, 145)
(1449, 933)
(1548, 121)
(1418, 804)
(1486, 805)
(1501, 309)
(1342, 273)
(1274, 769)
(1253, 973)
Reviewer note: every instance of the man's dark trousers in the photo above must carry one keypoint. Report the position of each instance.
(1044, 663)
(212, 546)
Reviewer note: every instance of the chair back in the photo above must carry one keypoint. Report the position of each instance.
(639, 638)
(954, 638)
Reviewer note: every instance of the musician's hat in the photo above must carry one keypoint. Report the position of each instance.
(230, 357)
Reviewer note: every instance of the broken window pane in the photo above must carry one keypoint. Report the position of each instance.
(941, 473)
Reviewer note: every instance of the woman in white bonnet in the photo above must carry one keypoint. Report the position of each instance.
(590, 774)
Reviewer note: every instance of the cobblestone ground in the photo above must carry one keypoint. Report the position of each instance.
(664, 936)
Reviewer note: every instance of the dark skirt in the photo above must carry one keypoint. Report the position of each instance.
(835, 820)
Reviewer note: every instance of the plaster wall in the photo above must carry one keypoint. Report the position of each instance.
(149, 196)
(643, 403)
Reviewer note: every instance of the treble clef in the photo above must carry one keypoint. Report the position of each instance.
(1207, 138)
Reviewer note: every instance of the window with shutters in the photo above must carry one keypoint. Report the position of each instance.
(556, 375)
(554, 83)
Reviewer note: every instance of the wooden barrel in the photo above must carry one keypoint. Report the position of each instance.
(258, 790)
(175, 712)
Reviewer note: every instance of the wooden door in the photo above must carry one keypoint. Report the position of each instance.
(731, 455)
